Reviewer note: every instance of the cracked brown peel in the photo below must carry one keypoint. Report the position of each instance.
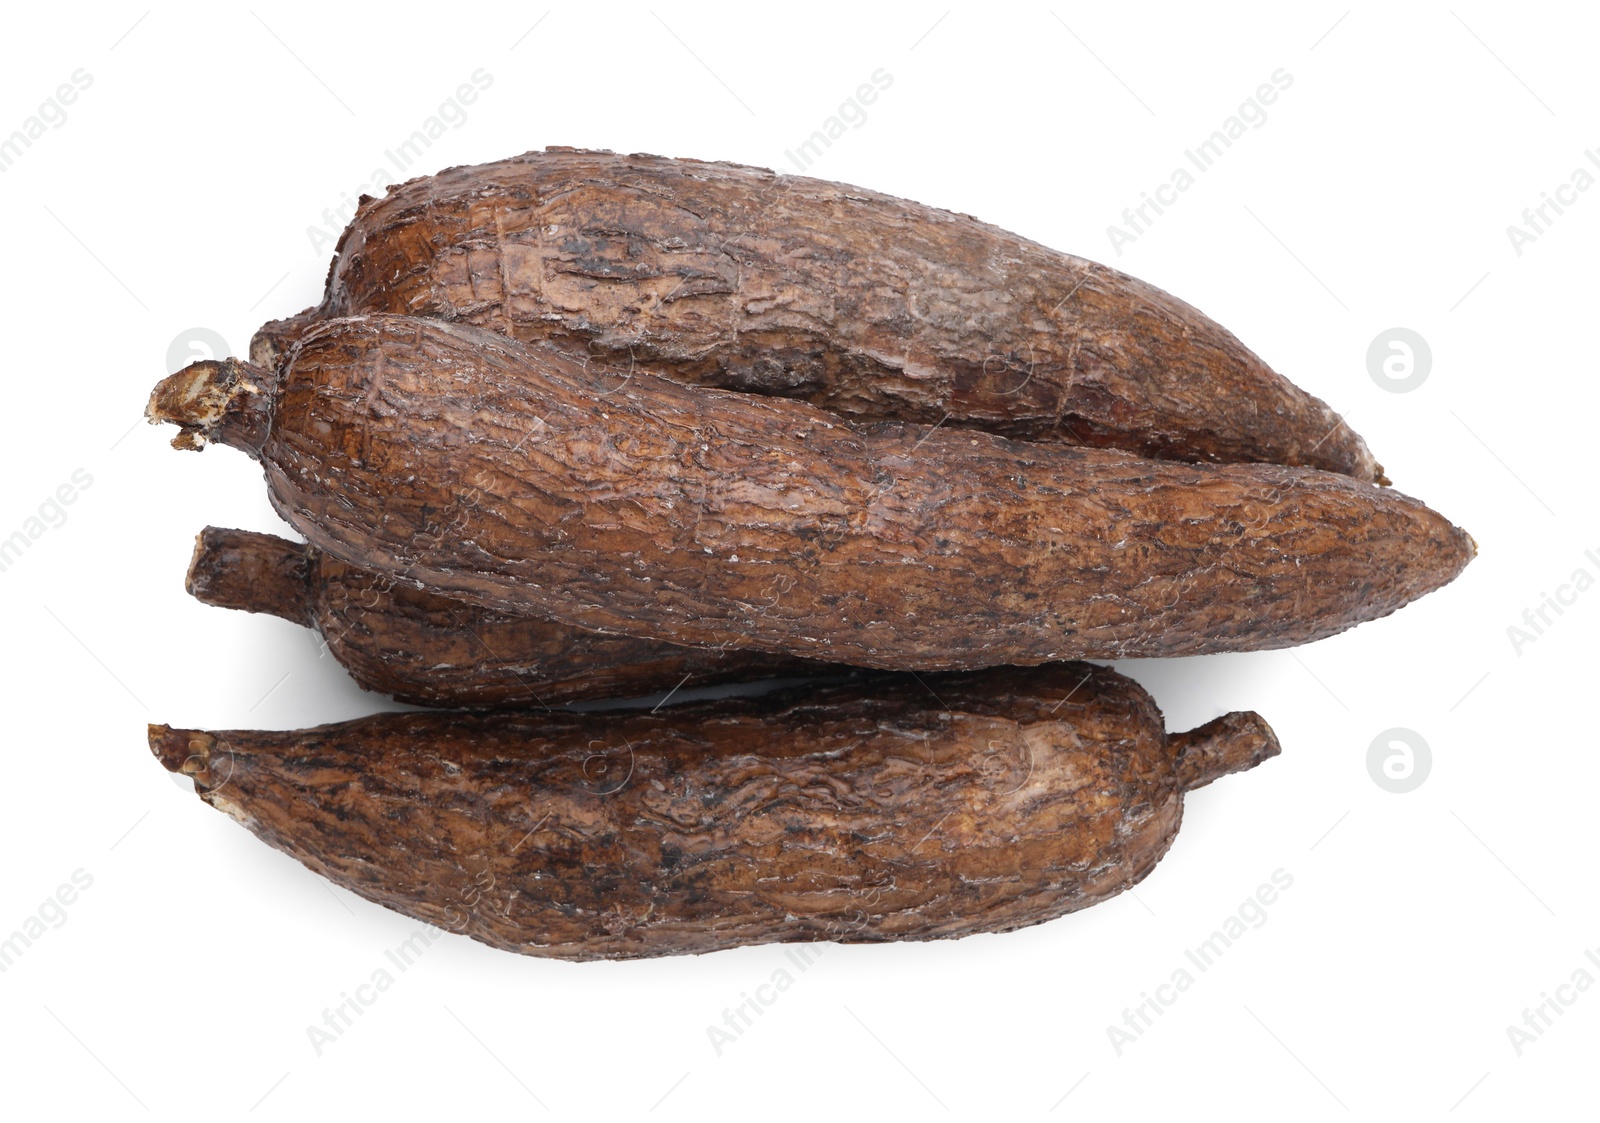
(855, 813)
(517, 479)
(871, 306)
(430, 650)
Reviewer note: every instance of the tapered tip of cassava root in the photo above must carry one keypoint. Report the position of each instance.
(203, 398)
(1352, 457)
(186, 751)
(1459, 550)
(1234, 742)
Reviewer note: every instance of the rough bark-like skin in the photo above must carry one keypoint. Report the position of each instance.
(433, 651)
(512, 477)
(866, 304)
(254, 572)
(854, 813)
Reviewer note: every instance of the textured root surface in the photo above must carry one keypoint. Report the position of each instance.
(869, 305)
(873, 811)
(513, 478)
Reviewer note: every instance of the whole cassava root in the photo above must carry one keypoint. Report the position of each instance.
(433, 651)
(863, 812)
(514, 478)
(868, 305)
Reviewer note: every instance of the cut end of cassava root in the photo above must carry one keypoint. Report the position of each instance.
(1235, 742)
(252, 572)
(185, 751)
(214, 400)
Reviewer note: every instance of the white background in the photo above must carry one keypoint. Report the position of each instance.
(178, 194)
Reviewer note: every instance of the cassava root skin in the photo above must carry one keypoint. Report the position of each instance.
(429, 650)
(254, 572)
(855, 813)
(514, 478)
(865, 304)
